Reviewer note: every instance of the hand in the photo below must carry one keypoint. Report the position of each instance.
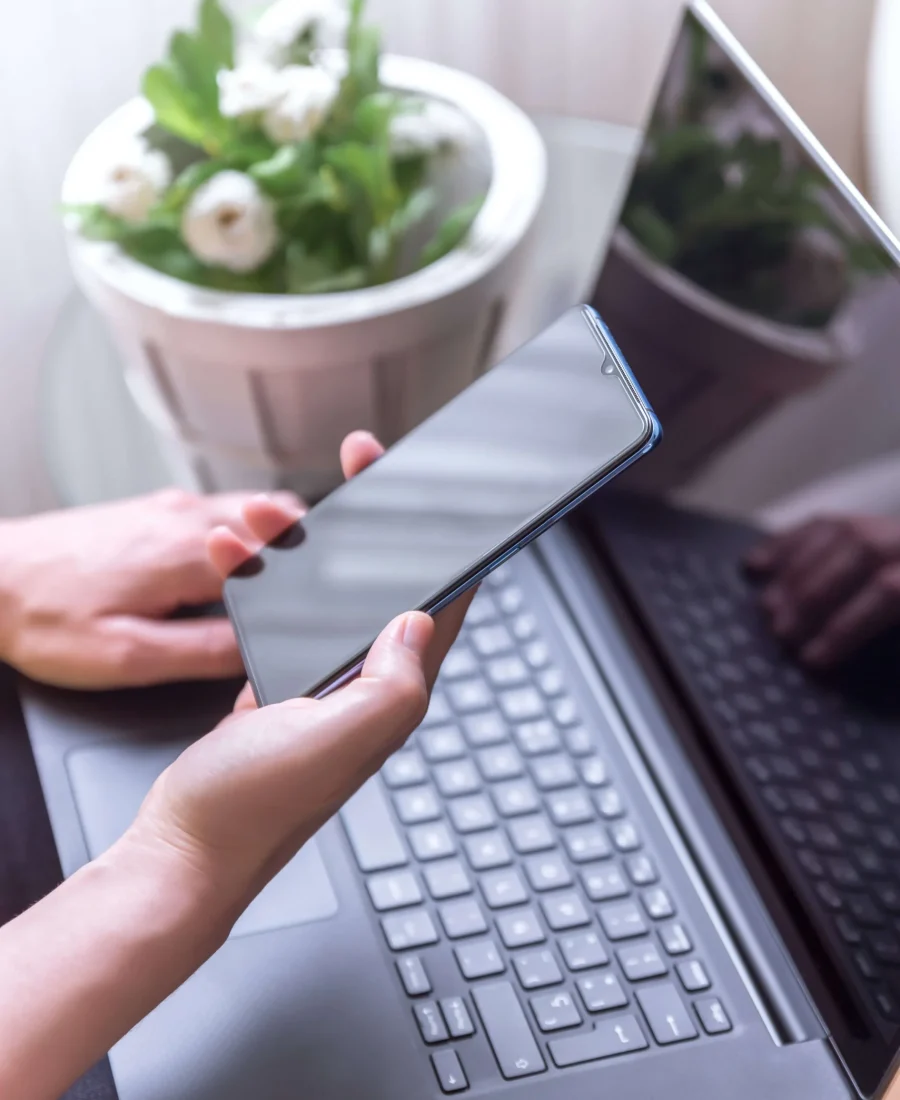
(87, 595)
(237, 806)
(831, 585)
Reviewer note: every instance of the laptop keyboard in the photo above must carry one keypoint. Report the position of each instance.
(511, 882)
(807, 758)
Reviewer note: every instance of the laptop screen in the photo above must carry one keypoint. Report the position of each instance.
(758, 301)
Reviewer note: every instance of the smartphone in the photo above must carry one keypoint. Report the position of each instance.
(471, 485)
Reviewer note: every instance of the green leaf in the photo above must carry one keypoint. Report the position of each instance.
(287, 170)
(187, 182)
(452, 233)
(416, 208)
(176, 109)
(368, 174)
(244, 149)
(319, 273)
(217, 33)
(372, 117)
(365, 57)
(196, 66)
(653, 232)
(96, 224)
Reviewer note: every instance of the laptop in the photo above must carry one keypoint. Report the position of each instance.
(633, 850)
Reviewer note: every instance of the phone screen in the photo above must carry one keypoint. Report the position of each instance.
(451, 498)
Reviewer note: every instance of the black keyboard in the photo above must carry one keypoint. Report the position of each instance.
(511, 881)
(814, 764)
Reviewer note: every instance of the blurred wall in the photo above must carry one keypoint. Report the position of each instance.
(65, 63)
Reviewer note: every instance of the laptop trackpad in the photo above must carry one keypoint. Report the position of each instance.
(110, 782)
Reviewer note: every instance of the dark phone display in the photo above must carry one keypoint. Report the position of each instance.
(555, 417)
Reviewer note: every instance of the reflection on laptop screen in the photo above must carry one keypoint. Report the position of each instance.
(753, 292)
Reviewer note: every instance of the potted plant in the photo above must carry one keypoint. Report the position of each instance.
(731, 240)
(292, 235)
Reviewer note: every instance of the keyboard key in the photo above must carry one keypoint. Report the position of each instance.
(531, 834)
(520, 929)
(507, 1030)
(524, 627)
(565, 712)
(457, 1018)
(417, 804)
(505, 672)
(583, 951)
(537, 654)
(441, 743)
(578, 741)
(622, 922)
(462, 918)
(438, 710)
(593, 772)
(604, 882)
(675, 939)
(487, 728)
(534, 738)
(412, 974)
(609, 803)
(569, 807)
(522, 704)
(554, 772)
(551, 682)
(499, 762)
(431, 841)
(712, 1016)
(563, 911)
(404, 769)
(693, 976)
(490, 641)
(555, 1011)
(446, 879)
(393, 890)
(516, 796)
(481, 610)
(608, 1039)
(503, 888)
(479, 960)
(625, 836)
(658, 904)
(585, 843)
(449, 1071)
(641, 870)
(407, 930)
(470, 815)
(370, 828)
(864, 910)
(430, 1022)
(601, 992)
(510, 599)
(640, 961)
(487, 850)
(668, 1018)
(469, 695)
(547, 872)
(459, 662)
(537, 969)
(457, 777)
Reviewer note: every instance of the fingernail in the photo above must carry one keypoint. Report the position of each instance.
(415, 632)
(287, 499)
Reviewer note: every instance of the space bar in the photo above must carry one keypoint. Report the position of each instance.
(508, 1031)
(371, 830)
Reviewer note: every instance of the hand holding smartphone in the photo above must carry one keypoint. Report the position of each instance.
(462, 492)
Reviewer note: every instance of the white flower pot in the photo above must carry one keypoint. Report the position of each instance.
(256, 391)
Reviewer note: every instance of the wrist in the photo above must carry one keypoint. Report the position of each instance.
(9, 588)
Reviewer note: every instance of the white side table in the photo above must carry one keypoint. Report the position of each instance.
(99, 447)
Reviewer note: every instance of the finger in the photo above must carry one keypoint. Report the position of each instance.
(246, 700)
(765, 557)
(268, 517)
(874, 609)
(154, 651)
(447, 625)
(227, 551)
(828, 584)
(229, 508)
(359, 450)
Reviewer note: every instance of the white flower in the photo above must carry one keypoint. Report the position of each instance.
(279, 28)
(307, 95)
(249, 89)
(132, 184)
(437, 126)
(230, 223)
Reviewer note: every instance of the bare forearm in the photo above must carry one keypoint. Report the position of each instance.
(85, 964)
